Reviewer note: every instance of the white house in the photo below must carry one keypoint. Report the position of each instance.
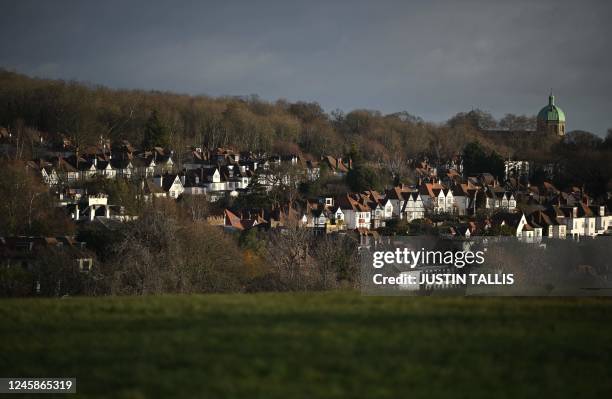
(317, 219)
(170, 184)
(144, 166)
(551, 227)
(500, 199)
(123, 168)
(574, 220)
(413, 207)
(337, 216)
(524, 231)
(213, 180)
(356, 214)
(395, 197)
(583, 220)
(377, 213)
(603, 221)
(387, 209)
(104, 168)
(88, 169)
(49, 176)
(436, 198)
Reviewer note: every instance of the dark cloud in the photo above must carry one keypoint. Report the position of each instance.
(432, 58)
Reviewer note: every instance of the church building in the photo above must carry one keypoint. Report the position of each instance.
(551, 119)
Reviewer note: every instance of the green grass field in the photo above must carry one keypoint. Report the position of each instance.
(312, 345)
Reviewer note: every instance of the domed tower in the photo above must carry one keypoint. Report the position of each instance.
(551, 118)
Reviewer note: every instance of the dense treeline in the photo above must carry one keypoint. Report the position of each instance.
(86, 112)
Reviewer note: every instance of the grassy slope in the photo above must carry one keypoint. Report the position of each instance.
(313, 345)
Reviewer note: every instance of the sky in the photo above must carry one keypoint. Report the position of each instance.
(430, 58)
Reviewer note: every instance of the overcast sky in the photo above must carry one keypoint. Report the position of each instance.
(430, 58)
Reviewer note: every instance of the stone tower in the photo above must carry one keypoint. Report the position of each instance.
(551, 119)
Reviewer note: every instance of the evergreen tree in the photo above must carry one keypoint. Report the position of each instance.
(361, 178)
(156, 133)
(476, 160)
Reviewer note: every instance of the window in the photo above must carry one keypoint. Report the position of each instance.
(84, 265)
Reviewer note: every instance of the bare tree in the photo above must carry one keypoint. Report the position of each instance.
(291, 258)
(195, 206)
(157, 254)
(337, 262)
(285, 181)
(399, 165)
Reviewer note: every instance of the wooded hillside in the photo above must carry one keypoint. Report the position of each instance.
(84, 112)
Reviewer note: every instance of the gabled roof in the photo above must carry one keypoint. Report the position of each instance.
(336, 163)
(143, 161)
(411, 196)
(336, 208)
(62, 165)
(432, 189)
(348, 203)
(581, 211)
(232, 220)
(459, 190)
(102, 165)
(395, 193)
(150, 187)
(414, 196)
(119, 163)
(168, 181)
(543, 218)
(463, 230)
(511, 219)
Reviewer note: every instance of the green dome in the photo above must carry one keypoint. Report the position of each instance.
(551, 113)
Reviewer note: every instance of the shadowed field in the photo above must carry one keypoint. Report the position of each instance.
(312, 345)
